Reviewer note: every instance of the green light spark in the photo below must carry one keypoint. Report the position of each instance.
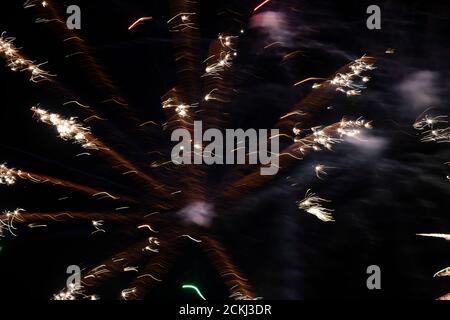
(189, 286)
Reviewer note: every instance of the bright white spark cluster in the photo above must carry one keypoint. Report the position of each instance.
(16, 62)
(352, 82)
(432, 129)
(68, 129)
(7, 175)
(352, 128)
(182, 22)
(181, 109)
(322, 139)
(312, 204)
(73, 292)
(216, 64)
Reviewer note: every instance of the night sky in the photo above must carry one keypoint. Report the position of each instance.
(383, 191)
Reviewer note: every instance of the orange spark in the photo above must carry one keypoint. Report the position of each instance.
(139, 21)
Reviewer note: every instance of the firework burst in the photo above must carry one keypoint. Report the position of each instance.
(151, 258)
(178, 210)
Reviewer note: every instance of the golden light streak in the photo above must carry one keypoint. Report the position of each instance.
(147, 226)
(77, 103)
(68, 129)
(236, 283)
(95, 71)
(306, 80)
(445, 297)
(139, 21)
(11, 175)
(297, 113)
(36, 220)
(291, 54)
(17, 62)
(157, 267)
(131, 269)
(435, 235)
(442, 273)
(149, 275)
(182, 22)
(191, 238)
(273, 44)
